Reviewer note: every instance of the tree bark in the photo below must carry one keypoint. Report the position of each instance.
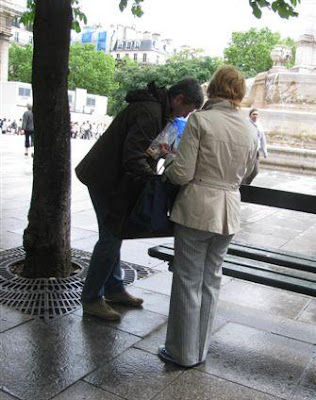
(46, 239)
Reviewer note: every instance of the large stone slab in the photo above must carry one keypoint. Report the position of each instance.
(136, 321)
(10, 318)
(153, 301)
(269, 323)
(195, 385)
(44, 359)
(309, 314)
(259, 360)
(85, 391)
(135, 374)
(306, 390)
(159, 283)
(263, 298)
(6, 396)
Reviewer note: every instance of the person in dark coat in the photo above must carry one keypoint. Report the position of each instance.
(28, 128)
(114, 171)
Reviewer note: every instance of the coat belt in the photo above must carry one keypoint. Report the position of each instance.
(215, 184)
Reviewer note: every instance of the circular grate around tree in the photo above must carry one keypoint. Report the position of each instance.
(48, 298)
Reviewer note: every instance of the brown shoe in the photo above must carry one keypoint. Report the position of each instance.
(125, 299)
(101, 309)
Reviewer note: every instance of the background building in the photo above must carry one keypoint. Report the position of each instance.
(8, 13)
(145, 48)
(20, 35)
(124, 41)
(96, 35)
(82, 105)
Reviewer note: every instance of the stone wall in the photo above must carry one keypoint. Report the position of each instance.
(290, 159)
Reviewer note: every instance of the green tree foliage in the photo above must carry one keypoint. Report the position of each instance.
(130, 75)
(201, 68)
(285, 8)
(90, 69)
(27, 17)
(20, 63)
(250, 51)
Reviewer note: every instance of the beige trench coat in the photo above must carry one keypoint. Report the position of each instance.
(218, 148)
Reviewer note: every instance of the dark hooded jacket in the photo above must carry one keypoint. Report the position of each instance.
(117, 165)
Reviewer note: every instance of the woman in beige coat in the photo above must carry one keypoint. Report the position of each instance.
(217, 150)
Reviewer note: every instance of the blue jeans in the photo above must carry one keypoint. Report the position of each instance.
(104, 274)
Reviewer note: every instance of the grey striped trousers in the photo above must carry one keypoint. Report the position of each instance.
(195, 288)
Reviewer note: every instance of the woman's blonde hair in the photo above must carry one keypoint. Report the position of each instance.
(227, 83)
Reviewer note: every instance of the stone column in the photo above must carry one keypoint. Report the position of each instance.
(4, 58)
(305, 60)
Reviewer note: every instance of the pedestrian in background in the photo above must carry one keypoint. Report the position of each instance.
(217, 149)
(262, 144)
(28, 129)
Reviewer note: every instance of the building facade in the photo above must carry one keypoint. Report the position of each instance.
(83, 105)
(123, 41)
(8, 13)
(20, 35)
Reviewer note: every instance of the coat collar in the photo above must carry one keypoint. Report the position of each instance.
(218, 102)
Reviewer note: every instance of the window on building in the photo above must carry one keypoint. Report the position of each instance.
(137, 44)
(118, 56)
(126, 55)
(70, 98)
(30, 39)
(15, 22)
(120, 45)
(90, 102)
(24, 92)
(157, 60)
(145, 57)
(135, 56)
(16, 36)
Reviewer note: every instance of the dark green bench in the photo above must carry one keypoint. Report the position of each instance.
(270, 267)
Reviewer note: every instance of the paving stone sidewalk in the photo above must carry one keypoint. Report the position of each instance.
(264, 344)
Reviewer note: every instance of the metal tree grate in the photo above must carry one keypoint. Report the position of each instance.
(48, 298)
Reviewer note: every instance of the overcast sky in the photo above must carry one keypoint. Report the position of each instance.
(204, 24)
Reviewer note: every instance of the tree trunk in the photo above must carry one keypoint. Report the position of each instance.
(47, 237)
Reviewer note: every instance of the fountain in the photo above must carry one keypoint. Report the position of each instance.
(287, 98)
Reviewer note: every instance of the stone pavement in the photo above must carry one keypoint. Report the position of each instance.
(264, 344)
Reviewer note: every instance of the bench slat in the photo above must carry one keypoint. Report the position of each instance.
(166, 252)
(278, 198)
(270, 279)
(271, 268)
(262, 271)
(288, 261)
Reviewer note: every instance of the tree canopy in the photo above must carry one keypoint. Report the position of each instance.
(90, 69)
(130, 75)
(285, 8)
(20, 63)
(250, 51)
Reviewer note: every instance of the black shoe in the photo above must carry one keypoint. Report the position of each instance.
(165, 356)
